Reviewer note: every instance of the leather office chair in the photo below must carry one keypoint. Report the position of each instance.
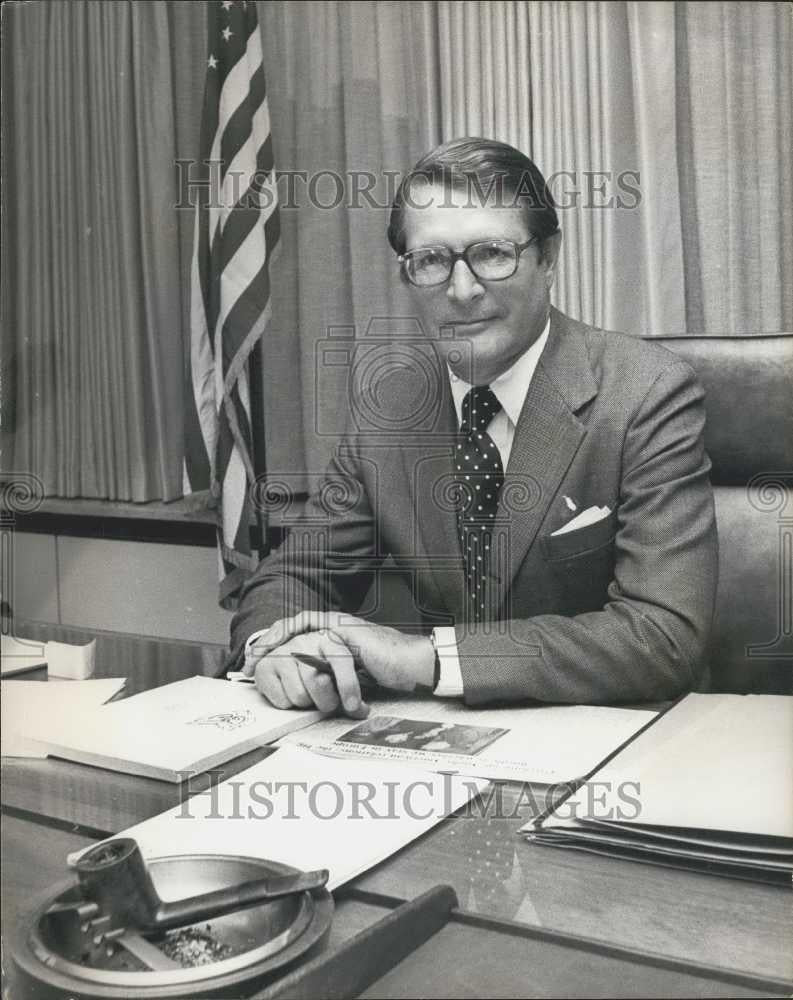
(749, 401)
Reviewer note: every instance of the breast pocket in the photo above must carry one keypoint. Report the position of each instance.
(581, 565)
(580, 542)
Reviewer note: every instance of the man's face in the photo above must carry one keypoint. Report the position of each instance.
(494, 322)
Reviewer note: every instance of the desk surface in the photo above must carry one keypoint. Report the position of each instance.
(710, 920)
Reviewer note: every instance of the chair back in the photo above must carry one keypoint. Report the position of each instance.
(748, 383)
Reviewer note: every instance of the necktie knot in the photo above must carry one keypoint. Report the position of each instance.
(479, 407)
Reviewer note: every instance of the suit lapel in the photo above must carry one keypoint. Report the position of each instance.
(547, 437)
(429, 473)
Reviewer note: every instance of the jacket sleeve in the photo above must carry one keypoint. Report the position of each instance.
(648, 640)
(326, 562)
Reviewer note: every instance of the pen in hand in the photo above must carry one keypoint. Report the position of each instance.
(305, 658)
(308, 660)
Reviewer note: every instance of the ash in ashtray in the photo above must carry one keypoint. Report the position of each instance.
(191, 947)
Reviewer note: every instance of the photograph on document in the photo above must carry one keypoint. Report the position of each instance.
(421, 734)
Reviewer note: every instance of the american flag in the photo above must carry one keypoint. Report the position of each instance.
(236, 232)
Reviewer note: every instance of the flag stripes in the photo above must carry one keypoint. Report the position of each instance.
(236, 232)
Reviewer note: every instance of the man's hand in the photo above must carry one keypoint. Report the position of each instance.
(393, 659)
(286, 682)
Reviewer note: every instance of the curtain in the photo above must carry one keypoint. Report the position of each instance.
(99, 292)
(352, 96)
(582, 88)
(351, 92)
(735, 106)
(95, 335)
(665, 130)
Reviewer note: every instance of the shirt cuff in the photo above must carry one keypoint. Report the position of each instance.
(450, 684)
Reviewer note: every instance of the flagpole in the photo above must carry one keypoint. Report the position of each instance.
(259, 445)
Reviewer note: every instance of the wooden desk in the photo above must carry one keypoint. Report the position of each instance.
(53, 806)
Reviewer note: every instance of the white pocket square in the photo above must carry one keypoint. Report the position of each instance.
(589, 516)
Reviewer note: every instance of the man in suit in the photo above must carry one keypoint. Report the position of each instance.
(544, 491)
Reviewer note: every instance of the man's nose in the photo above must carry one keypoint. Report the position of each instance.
(463, 286)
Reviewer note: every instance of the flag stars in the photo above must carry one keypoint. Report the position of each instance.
(226, 33)
(212, 62)
(227, 4)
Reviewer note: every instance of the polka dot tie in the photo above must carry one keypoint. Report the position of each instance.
(479, 476)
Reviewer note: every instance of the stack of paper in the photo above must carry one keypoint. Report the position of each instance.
(709, 785)
(309, 812)
(170, 732)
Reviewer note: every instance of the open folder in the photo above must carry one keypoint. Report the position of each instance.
(708, 786)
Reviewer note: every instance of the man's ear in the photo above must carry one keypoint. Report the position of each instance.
(550, 256)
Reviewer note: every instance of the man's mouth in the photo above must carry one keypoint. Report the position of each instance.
(465, 323)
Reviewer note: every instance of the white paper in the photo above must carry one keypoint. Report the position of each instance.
(307, 811)
(30, 708)
(67, 660)
(545, 744)
(713, 762)
(17, 655)
(62, 659)
(188, 726)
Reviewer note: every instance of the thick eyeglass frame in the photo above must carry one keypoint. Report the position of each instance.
(456, 255)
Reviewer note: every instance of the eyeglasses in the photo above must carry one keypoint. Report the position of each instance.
(490, 260)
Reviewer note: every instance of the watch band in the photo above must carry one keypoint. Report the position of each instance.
(437, 676)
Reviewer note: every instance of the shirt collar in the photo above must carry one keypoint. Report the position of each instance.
(511, 386)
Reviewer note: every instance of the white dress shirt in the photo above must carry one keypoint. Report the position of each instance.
(510, 388)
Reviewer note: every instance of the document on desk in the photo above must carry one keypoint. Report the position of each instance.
(309, 812)
(31, 708)
(62, 659)
(19, 655)
(709, 784)
(172, 731)
(544, 744)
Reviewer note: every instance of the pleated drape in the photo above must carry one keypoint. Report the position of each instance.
(352, 100)
(484, 62)
(665, 131)
(96, 329)
(735, 106)
(581, 88)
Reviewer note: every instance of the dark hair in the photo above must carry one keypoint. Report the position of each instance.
(482, 166)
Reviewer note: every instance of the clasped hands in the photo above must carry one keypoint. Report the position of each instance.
(342, 643)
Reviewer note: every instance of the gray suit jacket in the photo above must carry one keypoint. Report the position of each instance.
(617, 611)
